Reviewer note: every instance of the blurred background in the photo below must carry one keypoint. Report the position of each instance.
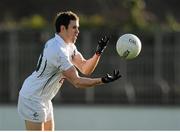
(150, 83)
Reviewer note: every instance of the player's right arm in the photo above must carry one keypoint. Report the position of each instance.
(87, 66)
(83, 82)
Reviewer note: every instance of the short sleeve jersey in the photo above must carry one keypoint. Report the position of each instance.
(46, 80)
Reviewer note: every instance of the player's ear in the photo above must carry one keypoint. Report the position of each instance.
(62, 28)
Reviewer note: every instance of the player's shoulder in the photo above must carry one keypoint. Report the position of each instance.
(54, 48)
(52, 44)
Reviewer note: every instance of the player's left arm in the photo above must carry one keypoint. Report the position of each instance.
(89, 65)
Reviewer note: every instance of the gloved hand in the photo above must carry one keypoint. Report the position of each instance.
(102, 44)
(110, 78)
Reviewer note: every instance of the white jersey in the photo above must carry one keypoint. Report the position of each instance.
(46, 80)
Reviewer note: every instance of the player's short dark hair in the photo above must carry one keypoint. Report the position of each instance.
(64, 18)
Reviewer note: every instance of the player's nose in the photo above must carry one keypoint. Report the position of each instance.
(77, 31)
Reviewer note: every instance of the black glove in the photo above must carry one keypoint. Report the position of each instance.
(102, 44)
(110, 78)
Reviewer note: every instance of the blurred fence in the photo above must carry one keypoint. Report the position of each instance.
(151, 78)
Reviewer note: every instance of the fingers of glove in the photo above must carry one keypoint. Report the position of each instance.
(99, 42)
(107, 39)
(116, 74)
(104, 40)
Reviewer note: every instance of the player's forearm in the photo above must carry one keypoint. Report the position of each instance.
(83, 82)
(91, 64)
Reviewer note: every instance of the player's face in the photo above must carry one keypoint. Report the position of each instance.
(72, 31)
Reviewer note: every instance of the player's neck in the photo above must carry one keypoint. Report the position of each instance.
(63, 37)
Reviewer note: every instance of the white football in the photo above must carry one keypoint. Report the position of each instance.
(128, 46)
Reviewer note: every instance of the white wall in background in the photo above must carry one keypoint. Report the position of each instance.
(101, 118)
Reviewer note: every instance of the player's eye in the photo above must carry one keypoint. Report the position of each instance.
(75, 27)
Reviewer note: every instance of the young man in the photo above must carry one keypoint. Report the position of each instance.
(56, 63)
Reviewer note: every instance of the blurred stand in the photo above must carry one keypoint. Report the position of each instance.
(151, 78)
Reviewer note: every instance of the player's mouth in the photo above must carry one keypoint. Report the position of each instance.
(74, 38)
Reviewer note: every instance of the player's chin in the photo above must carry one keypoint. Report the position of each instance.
(74, 40)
